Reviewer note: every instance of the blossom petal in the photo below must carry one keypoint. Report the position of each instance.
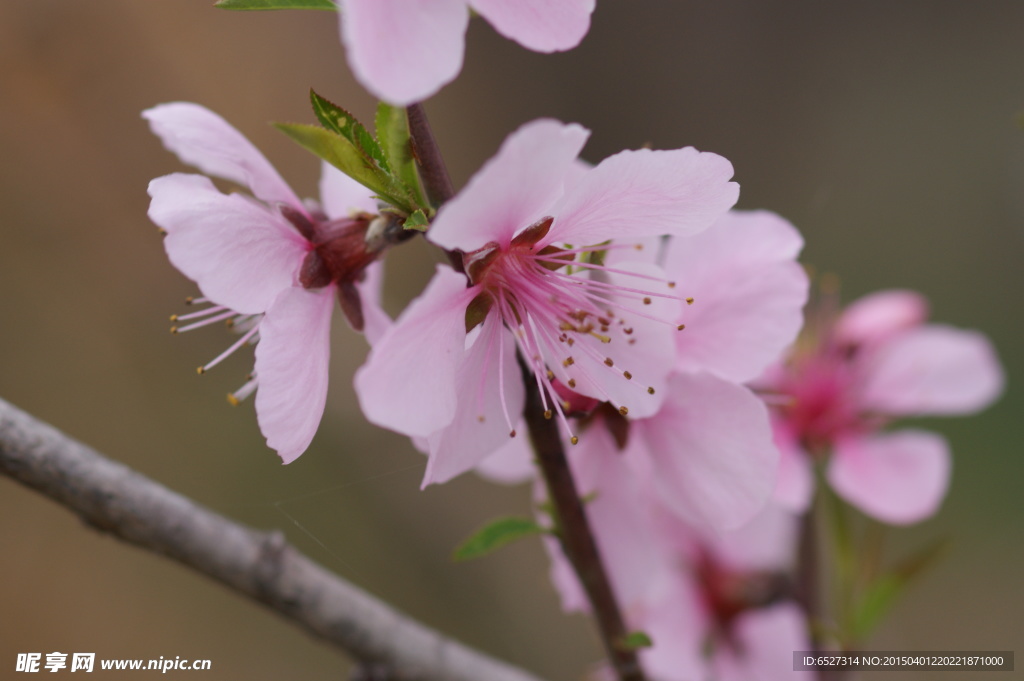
(341, 196)
(932, 369)
(291, 366)
(513, 190)
(748, 291)
(712, 451)
(408, 383)
(618, 514)
(490, 394)
(403, 51)
(767, 542)
(512, 463)
(239, 252)
(539, 25)
(203, 139)
(898, 478)
(677, 625)
(375, 320)
(642, 193)
(877, 316)
(794, 484)
(766, 639)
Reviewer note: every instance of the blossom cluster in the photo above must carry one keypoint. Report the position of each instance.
(656, 325)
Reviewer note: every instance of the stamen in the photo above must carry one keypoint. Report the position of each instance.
(689, 301)
(234, 346)
(206, 322)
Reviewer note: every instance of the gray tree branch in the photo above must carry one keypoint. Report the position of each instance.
(261, 565)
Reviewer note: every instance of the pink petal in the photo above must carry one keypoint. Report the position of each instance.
(341, 196)
(291, 366)
(677, 626)
(408, 383)
(540, 25)
(766, 639)
(203, 139)
(648, 359)
(877, 316)
(712, 451)
(375, 320)
(794, 484)
(239, 252)
(932, 369)
(767, 542)
(748, 291)
(513, 190)
(403, 51)
(490, 396)
(512, 463)
(642, 193)
(618, 513)
(899, 478)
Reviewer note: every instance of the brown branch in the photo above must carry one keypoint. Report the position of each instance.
(576, 537)
(261, 565)
(433, 171)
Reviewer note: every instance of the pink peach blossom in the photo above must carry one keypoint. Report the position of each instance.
(404, 51)
(878, 361)
(271, 265)
(604, 331)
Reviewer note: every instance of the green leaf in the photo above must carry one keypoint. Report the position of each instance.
(417, 221)
(635, 640)
(275, 4)
(882, 592)
(343, 155)
(393, 134)
(496, 534)
(336, 119)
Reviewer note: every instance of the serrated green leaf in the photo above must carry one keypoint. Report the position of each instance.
(496, 534)
(338, 120)
(417, 221)
(635, 640)
(392, 126)
(343, 155)
(275, 4)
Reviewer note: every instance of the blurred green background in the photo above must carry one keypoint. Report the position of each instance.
(885, 131)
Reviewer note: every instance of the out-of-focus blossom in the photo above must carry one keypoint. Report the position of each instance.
(403, 51)
(446, 371)
(849, 377)
(270, 266)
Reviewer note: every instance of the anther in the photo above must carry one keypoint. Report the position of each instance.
(200, 370)
(608, 362)
(547, 414)
(572, 383)
(568, 361)
(627, 375)
(671, 284)
(647, 301)
(565, 405)
(232, 400)
(624, 411)
(650, 390)
(575, 440)
(689, 301)
(512, 433)
(481, 418)
(551, 375)
(174, 329)
(174, 317)
(189, 300)
(680, 327)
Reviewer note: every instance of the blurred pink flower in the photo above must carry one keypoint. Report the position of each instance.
(446, 372)
(270, 266)
(846, 381)
(404, 51)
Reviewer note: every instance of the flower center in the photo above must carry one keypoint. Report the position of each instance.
(568, 311)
